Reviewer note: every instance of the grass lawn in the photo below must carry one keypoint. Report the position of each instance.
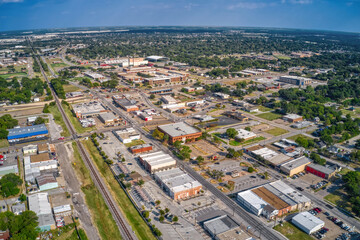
(254, 140)
(4, 143)
(269, 116)
(134, 143)
(53, 65)
(292, 232)
(234, 143)
(75, 122)
(136, 222)
(59, 120)
(298, 135)
(276, 131)
(339, 199)
(281, 57)
(11, 75)
(99, 211)
(70, 88)
(264, 109)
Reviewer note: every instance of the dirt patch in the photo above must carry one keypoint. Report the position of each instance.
(203, 148)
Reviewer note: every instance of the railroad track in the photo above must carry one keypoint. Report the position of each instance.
(126, 233)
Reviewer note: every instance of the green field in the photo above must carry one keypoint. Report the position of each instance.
(70, 88)
(53, 65)
(99, 211)
(134, 143)
(4, 143)
(298, 135)
(264, 109)
(339, 199)
(234, 143)
(292, 232)
(254, 140)
(59, 120)
(276, 131)
(281, 57)
(136, 222)
(269, 116)
(11, 75)
(75, 122)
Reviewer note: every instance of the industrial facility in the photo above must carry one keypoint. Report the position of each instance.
(27, 134)
(157, 161)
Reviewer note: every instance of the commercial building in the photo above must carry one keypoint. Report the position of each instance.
(127, 135)
(162, 91)
(127, 105)
(141, 148)
(178, 184)
(274, 158)
(27, 134)
(222, 95)
(146, 117)
(31, 120)
(62, 211)
(157, 59)
(237, 115)
(30, 149)
(180, 131)
(43, 148)
(244, 135)
(166, 78)
(39, 203)
(307, 222)
(34, 166)
(127, 62)
(157, 161)
(88, 109)
(295, 166)
(295, 80)
(321, 171)
(251, 201)
(293, 118)
(168, 100)
(277, 203)
(109, 119)
(95, 76)
(46, 182)
(74, 94)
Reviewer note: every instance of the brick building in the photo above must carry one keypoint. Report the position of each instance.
(180, 131)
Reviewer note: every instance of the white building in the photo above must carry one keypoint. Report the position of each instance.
(127, 135)
(30, 149)
(307, 222)
(252, 202)
(39, 203)
(168, 99)
(244, 134)
(222, 95)
(157, 161)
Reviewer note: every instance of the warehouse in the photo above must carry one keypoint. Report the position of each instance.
(157, 59)
(127, 105)
(33, 169)
(62, 211)
(168, 100)
(295, 166)
(244, 135)
(27, 134)
(274, 158)
(46, 182)
(321, 171)
(109, 119)
(88, 109)
(293, 118)
(127, 135)
(30, 149)
(272, 200)
(295, 80)
(178, 184)
(180, 132)
(307, 222)
(141, 148)
(157, 161)
(39, 203)
(42, 148)
(251, 201)
(146, 117)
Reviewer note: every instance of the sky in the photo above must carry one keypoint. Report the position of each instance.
(338, 15)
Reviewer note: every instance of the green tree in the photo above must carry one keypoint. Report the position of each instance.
(231, 132)
(251, 169)
(9, 185)
(158, 134)
(21, 227)
(200, 160)
(22, 198)
(152, 96)
(140, 182)
(39, 120)
(175, 219)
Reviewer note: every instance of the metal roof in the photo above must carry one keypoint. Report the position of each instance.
(294, 163)
(220, 224)
(321, 168)
(39, 203)
(27, 131)
(253, 199)
(178, 129)
(307, 221)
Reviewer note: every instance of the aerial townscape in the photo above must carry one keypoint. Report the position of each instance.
(174, 133)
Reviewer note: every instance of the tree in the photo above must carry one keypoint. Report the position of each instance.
(175, 219)
(157, 202)
(9, 185)
(152, 96)
(39, 120)
(141, 182)
(158, 134)
(251, 169)
(317, 159)
(46, 108)
(162, 212)
(146, 214)
(167, 210)
(231, 132)
(22, 198)
(21, 227)
(200, 160)
(248, 128)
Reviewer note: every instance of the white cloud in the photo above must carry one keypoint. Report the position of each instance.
(248, 5)
(190, 6)
(11, 1)
(301, 2)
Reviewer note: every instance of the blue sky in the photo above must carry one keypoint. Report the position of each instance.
(342, 15)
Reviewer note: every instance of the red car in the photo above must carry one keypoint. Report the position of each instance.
(62, 138)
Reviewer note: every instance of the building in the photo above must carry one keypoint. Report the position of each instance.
(39, 203)
(162, 91)
(34, 166)
(29, 149)
(141, 148)
(157, 59)
(9, 169)
(225, 228)
(18, 208)
(4, 235)
(251, 201)
(194, 103)
(321, 171)
(127, 62)
(237, 115)
(251, 108)
(31, 120)
(222, 95)
(40, 157)
(244, 135)
(146, 117)
(127, 135)
(127, 105)
(178, 184)
(295, 166)
(27, 134)
(88, 109)
(46, 182)
(166, 78)
(293, 118)
(272, 157)
(157, 161)
(74, 94)
(42, 148)
(295, 80)
(180, 131)
(109, 119)
(168, 100)
(95, 76)
(277, 203)
(62, 211)
(307, 222)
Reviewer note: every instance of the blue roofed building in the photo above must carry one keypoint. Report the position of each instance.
(27, 134)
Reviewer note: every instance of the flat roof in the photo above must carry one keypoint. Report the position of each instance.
(281, 195)
(178, 129)
(286, 189)
(321, 168)
(43, 147)
(39, 203)
(307, 220)
(45, 179)
(270, 198)
(63, 208)
(88, 107)
(292, 116)
(14, 132)
(141, 146)
(108, 116)
(220, 224)
(253, 199)
(158, 159)
(242, 133)
(177, 180)
(294, 163)
(29, 147)
(40, 157)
